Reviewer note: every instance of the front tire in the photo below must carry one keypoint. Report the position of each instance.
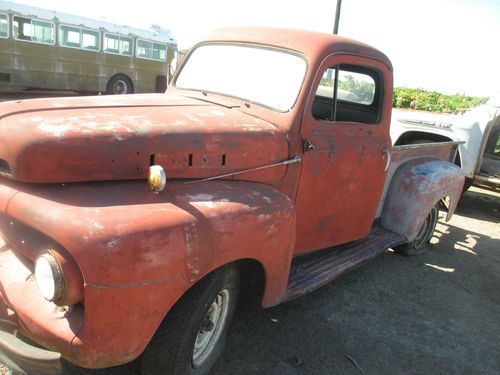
(192, 336)
(423, 238)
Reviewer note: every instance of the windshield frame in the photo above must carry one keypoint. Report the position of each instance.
(248, 45)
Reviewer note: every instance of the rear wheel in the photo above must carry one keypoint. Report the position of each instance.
(119, 85)
(423, 238)
(467, 184)
(192, 336)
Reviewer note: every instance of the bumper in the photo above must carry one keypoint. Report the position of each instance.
(24, 358)
(17, 351)
(490, 181)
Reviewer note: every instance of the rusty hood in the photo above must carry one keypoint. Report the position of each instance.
(118, 138)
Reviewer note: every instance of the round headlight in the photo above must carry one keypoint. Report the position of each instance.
(49, 277)
(157, 178)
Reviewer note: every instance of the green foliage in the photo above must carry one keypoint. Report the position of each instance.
(363, 89)
(433, 101)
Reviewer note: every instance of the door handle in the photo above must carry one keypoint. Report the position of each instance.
(307, 145)
(387, 154)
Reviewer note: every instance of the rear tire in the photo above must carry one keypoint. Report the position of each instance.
(192, 336)
(119, 85)
(423, 238)
(467, 184)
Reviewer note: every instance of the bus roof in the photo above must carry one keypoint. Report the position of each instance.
(155, 33)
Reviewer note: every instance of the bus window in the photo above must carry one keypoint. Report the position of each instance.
(90, 40)
(76, 37)
(33, 30)
(151, 50)
(4, 26)
(43, 32)
(117, 44)
(70, 36)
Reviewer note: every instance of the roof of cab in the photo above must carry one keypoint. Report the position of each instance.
(313, 44)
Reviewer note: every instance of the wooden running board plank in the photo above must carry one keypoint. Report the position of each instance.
(315, 270)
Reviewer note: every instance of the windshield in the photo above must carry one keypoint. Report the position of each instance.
(261, 75)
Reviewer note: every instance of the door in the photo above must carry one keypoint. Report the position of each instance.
(345, 132)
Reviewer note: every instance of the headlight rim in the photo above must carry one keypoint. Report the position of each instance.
(57, 276)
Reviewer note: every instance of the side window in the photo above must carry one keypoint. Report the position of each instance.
(43, 32)
(348, 93)
(126, 46)
(159, 52)
(33, 30)
(4, 25)
(151, 50)
(70, 36)
(76, 37)
(117, 44)
(90, 40)
(144, 49)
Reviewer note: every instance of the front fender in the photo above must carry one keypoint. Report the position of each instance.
(415, 188)
(139, 251)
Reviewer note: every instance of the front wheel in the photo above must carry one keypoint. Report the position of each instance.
(192, 336)
(423, 238)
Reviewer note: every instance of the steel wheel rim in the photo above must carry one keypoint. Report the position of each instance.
(120, 87)
(206, 340)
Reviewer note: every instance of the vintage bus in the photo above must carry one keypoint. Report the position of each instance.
(47, 50)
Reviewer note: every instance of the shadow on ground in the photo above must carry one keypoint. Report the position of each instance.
(480, 204)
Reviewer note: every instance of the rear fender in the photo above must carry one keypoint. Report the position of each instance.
(415, 188)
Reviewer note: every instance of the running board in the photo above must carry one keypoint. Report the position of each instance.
(310, 272)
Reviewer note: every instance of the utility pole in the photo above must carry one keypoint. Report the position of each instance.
(329, 74)
(337, 18)
(335, 31)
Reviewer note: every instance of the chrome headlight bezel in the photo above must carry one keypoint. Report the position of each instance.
(49, 277)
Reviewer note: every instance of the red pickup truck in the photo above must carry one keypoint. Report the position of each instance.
(129, 223)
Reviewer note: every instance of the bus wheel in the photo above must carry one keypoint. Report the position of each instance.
(119, 85)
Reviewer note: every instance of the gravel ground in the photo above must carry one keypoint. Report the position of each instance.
(436, 313)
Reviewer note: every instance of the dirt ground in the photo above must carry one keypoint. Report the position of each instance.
(436, 313)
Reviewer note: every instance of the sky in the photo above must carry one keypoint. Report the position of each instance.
(450, 46)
